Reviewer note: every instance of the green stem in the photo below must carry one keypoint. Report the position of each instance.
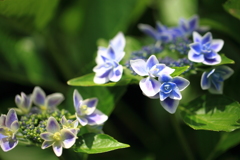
(181, 138)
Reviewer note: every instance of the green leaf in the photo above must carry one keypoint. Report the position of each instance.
(226, 60)
(87, 80)
(179, 70)
(97, 143)
(39, 13)
(212, 112)
(233, 7)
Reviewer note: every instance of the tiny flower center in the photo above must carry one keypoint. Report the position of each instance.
(8, 133)
(167, 87)
(57, 136)
(206, 49)
(43, 108)
(84, 109)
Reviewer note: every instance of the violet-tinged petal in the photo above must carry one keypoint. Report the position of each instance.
(118, 42)
(47, 136)
(160, 28)
(52, 125)
(18, 100)
(205, 81)
(46, 144)
(148, 30)
(88, 106)
(116, 74)
(64, 120)
(74, 130)
(163, 95)
(225, 71)
(57, 148)
(3, 120)
(26, 101)
(96, 118)
(152, 61)
(195, 57)
(207, 38)
(149, 86)
(181, 83)
(213, 90)
(83, 121)
(156, 70)
(216, 84)
(77, 100)
(38, 96)
(68, 138)
(54, 99)
(197, 37)
(11, 117)
(217, 44)
(170, 105)
(213, 61)
(2, 134)
(101, 52)
(175, 94)
(111, 53)
(139, 66)
(210, 55)
(8, 143)
(164, 78)
(196, 47)
(14, 126)
(193, 23)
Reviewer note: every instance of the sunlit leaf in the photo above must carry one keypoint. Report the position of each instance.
(226, 60)
(97, 143)
(212, 112)
(179, 70)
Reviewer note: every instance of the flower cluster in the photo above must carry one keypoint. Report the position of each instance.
(41, 122)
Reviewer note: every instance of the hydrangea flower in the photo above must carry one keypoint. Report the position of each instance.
(9, 127)
(151, 68)
(86, 111)
(24, 103)
(56, 137)
(71, 125)
(46, 102)
(213, 80)
(108, 67)
(204, 49)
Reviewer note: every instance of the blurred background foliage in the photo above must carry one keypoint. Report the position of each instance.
(45, 43)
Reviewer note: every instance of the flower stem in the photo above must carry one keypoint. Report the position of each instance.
(181, 138)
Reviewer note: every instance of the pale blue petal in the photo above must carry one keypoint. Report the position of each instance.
(197, 37)
(149, 86)
(96, 118)
(163, 95)
(57, 148)
(205, 81)
(152, 61)
(181, 83)
(213, 89)
(217, 45)
(164, 78)
(77, 100)
(116, 74)
(195, 57)
(52, 125)
(217, 85)
(210, 55)
(83, 121)
(196, 47)
(225, 71)
(207, 38)
(47, 136)
(175, 94)
(47, 144)
(11, 117)
(54, 99)
(91, 106)
(8, 143)
(101, 52)
(100, 80)
(157, 69)
(26, 101)
(64, 121)
(170, 105)
(3, 120)
(68, 138)
(18, 100)
(193, 23)
(38, 96)
(139, 66)
(118, 42)
(148, 30)
(213, 61)
(160, 28)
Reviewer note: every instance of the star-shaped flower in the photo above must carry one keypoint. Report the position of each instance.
(9, 126)
(86, 111)
(151, 68)
(108, 67)
(71, 125)
(56, 137)
(46, 102)
(213, 80)
(204, 49)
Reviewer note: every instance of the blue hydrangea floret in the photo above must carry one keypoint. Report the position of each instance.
(213, 80)
(205, 49)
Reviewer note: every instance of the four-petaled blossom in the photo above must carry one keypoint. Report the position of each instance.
(170, 91)
(71, 125)
(213, 80)
(204, 49)
(8, 128)
(86, 111)
(24, 104)
(151, 68)
(56, 137)
(108, 67)
(46, 102)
